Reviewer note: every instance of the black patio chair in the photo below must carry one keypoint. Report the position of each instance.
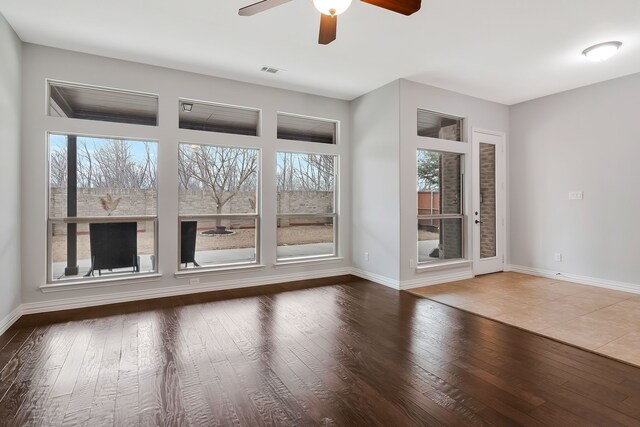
(113, 245)
(188, 232)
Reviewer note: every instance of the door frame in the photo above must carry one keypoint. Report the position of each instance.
(496, 263)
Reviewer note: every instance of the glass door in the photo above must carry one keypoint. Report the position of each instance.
(488, 204)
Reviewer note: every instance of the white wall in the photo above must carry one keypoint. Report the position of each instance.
(587, 140)
(477, 113)
(375, 149)
(10, 100)
(40, 63)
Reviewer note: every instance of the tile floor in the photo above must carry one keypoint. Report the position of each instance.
(602, 320)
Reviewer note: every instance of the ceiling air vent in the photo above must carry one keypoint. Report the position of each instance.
(270, 70)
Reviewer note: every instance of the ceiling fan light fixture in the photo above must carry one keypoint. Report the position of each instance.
(332, 7)
(602, 51)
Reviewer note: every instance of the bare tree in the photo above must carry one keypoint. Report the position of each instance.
(58, 167)
(107, 164)
(305, 172)
(224, 171)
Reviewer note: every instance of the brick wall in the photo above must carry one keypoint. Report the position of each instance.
(487, 200)
(450, 185)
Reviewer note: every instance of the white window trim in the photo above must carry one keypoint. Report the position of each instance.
(436, 264)
(125, 277)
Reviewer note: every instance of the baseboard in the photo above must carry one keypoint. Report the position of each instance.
(10, 319)
(381, 280)
(120, 297)
(435, 279)
(130, 296)
(583, 280)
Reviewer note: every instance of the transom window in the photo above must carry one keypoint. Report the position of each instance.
(441, 126)
(76, 101)
(310, 129)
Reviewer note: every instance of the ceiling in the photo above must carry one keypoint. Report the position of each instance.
(506, 51)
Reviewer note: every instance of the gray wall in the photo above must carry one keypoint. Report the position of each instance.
(10, 100)
(588, 140)
(479, 114)
(375, 193)
(41, 63)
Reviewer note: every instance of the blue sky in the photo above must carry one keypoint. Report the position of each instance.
(58, 142)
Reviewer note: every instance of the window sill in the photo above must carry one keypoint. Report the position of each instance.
(100, 283)
(301, 261)
(217, 270)
(443, 265)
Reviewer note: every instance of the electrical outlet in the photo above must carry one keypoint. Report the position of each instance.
(557, 257)
(194, 281)
(366, 256)
(412, 263)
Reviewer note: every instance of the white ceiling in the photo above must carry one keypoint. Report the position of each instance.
(502, 50)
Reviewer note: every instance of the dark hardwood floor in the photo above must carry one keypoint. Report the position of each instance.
(330, 352)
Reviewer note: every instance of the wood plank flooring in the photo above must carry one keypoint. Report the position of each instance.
(339, 351)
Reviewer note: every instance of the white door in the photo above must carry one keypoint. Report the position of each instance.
(488, 201)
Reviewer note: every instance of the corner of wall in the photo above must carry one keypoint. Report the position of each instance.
(10, 170)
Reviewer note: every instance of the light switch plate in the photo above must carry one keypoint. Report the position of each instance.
(576, 195)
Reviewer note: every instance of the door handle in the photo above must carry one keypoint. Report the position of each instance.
(479, 222)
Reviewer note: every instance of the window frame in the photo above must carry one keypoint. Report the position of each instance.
(335, 215)
(462, 120)
(257, 217)
(336, 135)
(463, 148)
(461, 216)
(91, 280)
(63, 83)
(187, 100)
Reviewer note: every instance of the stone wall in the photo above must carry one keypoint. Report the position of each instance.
(131, 202)
(487, 200)
(191, 202)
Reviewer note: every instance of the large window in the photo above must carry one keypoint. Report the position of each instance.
(219, 205)
(440, 210)
(102, 207)
(307, 220)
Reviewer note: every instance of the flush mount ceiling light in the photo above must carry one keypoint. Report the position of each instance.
(602, 51)
(186, 107)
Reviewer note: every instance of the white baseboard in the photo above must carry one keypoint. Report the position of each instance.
(120, 297)
(381, 280)
(436, 279)
(130, 296)
(583, 280)
(10, 319)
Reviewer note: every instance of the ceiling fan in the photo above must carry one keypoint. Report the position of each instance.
(330, 9)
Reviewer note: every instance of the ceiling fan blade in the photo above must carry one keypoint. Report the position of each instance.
(328, 26)
(260, 6)
(405, 7)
